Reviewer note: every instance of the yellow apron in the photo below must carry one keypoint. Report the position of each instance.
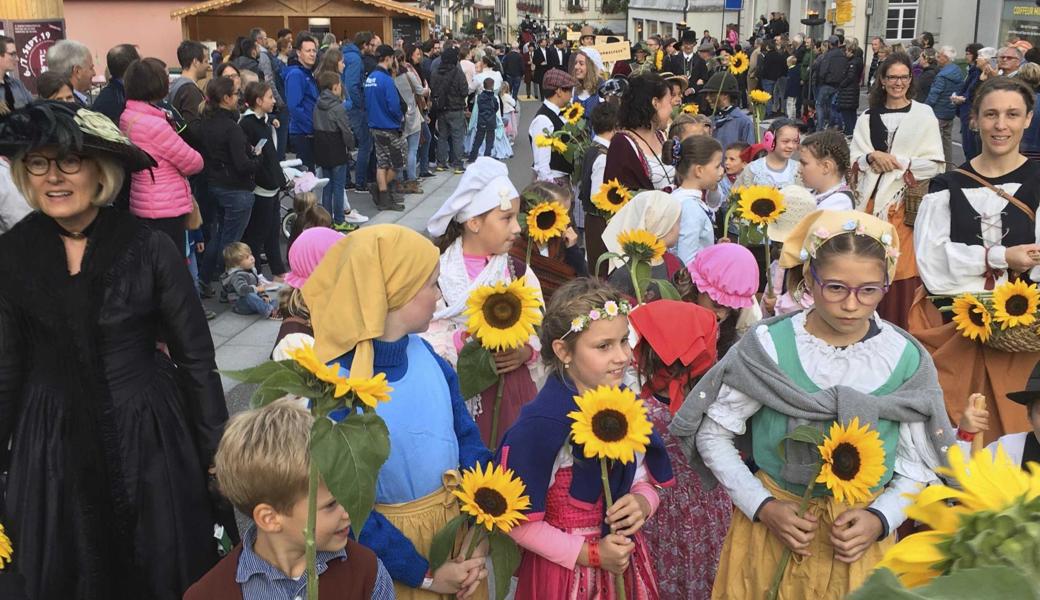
(419, 521)
(751, 554)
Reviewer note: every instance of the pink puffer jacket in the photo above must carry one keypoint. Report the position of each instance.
(163, 191)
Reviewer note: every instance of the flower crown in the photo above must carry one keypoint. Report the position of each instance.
(610, 310)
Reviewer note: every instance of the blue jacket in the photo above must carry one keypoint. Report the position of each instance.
(382, 101)
(968, 91)
(301, 94)
(733, 126)
(947, 81)
(353, 77)
(794, 82)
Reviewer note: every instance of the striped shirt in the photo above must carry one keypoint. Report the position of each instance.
(261, 580)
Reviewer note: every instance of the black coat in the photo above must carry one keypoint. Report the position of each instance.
(540, 62)
(106, 495)
(553, 58)
(449, 88)
(832, 67)
(848, 90)
(111, 101)
(923, 83)
(269, 173)
(772, 67)
(230, 160)
(513, 64)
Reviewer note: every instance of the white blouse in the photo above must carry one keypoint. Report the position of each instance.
(864, 366)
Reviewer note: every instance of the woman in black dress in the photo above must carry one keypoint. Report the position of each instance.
(110, 438)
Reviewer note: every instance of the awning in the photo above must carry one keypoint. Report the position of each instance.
(411, 11)
(201, 7)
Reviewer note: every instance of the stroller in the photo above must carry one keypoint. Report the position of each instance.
(298, 181)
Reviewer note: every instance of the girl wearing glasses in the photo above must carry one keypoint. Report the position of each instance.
(896, 144)
(971, 238)
(834, 362)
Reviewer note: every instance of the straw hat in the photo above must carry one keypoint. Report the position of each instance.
(799, 202)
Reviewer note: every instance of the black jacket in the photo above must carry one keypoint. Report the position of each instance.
(111, 101)
(269, 173)
(848, 89)
(772, 67)
(333, 138)
(923, 83)
(448, 88)
(513, 64)
(230, 161)
(833, 66)
(248, 63)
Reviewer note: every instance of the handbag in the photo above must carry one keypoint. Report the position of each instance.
(913, 193)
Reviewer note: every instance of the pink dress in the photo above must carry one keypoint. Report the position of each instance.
(686, 534)
(541, 579)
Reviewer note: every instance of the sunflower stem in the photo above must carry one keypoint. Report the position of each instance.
(493, 442)
(769, 263)
(619, 578)
(530, 243)
(635, 281)
(715, 105)
(311, 545)
(475, 541)
(778, 576)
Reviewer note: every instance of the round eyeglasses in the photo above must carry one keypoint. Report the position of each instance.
(835, 291)
(38, 164)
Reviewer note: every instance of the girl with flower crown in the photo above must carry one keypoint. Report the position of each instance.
(572, 547)
(475, 228)
(833, 363)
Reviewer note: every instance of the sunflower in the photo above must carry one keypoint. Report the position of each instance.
(371, 391)
(759, 96)
(853, 461)
(546, 221)
(610, 423)
(503, 316)
(611, 197)
(306, 358)
(543, 141)
(691, 109)
(1015, 303)
(559, 145)
(5, 548)
(761, 204)
(659, 59)
(972, 317)
(990, 523)
(494, 496)
(738, 63)
(640, 244)
(573, 113)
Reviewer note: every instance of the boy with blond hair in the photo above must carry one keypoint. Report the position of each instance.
(262, 465)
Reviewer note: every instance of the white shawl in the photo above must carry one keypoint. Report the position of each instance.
(917, 144)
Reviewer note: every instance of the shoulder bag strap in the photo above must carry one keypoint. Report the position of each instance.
(1011, 199)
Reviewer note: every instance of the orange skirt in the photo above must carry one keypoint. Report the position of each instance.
(966, 367)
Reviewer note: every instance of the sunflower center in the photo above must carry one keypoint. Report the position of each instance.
(614, 196)
(975, 315)
(763, 207)
(502, 311)
(546, 220)
(845, 461)
(1016, 305)
(610, 425)
(490, 501)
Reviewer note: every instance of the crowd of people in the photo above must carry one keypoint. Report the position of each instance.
(122, 472)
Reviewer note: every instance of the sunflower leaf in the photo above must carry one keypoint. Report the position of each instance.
(259, 373)
(349, 455)
(988, 583)
(476, 369)
(604, 258)
(505, 558)
(666, 289)
(280, 383)
(641, 275)
(444, 541)
(803, 433)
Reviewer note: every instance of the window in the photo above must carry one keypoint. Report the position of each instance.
(651, 28)
(637, 24)
(901, 20)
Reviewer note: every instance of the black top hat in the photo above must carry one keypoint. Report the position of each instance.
(688, 37)
(71, 129)
(1032, 391)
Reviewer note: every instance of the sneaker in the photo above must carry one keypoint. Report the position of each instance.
(441, 168)
(426, 175)
(223, 297)
(206, 291)
(355, 217)
(210, 315)
(411, 187)
(344, 227)
(459, 170)
(361, 188)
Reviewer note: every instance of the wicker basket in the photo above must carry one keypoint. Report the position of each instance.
(912, 196)
(1024, 338)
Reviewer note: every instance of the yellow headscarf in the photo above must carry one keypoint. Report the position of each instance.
(654, 211)
(362, 278)
(819, 226)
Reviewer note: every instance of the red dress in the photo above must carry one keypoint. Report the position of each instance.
(541, 579)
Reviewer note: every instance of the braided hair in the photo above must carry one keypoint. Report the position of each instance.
(829, 143)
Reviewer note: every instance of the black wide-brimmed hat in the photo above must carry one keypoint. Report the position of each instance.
(1032, 391)
(71, 129)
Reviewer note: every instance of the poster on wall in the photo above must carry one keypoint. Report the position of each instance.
(1022, 19)
(33, 39)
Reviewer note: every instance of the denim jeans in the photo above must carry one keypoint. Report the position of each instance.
(514, 85)
(303, 146)
(412, 160)
(485, 136)
(848, 117)
(452, 126)
(423, 154)
(253, 304)
(236, 206)
(333, 196)
(359, 123)
(769, 85)
(824, 118)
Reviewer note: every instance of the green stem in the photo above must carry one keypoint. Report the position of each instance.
(769, 261)
(715, 104)
(785, 558)
(493, 442)
(530, 243)
(619, 578)
(475, 541)
(758, 119)
(311, 545)
(635, 281)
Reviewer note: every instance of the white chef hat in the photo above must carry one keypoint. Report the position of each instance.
(484, 186)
